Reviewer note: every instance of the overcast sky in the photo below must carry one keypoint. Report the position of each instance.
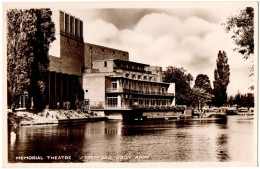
(179, 35)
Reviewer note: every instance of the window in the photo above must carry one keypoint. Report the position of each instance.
(145, 77)
(71, 25)
(163, 90)
(147, 89)
(139, 76)
(140, 101)
(163, 102)
(114, 84)
(152, 102)
(76, 28)
(81, 29)
(133, 76)
(105, 64)
(158, 102)
(67, 23)
(82, 70)
(127, 75)
(146, 101)
(112, 101)
(21, 102)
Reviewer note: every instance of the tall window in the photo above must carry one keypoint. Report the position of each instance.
(114, 84)
(141, 101)
(163, 90)
(152, 102)
(67, 23)
(21, 102)
(112, 101)
(105, 64)
(158, 102)
(146, 101)
(163, 102)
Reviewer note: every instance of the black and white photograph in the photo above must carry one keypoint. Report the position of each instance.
(132, 84)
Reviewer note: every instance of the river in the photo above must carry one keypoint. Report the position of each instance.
(190, 140)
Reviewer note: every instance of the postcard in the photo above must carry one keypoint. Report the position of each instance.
(130, 84)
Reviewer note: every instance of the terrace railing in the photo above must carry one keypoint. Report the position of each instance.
(124, 90)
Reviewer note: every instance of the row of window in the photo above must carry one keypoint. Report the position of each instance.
(113, 102)
(107, 53)
(139, 77)
(72, 26)
(141, 86)
(22, 101)
(152, 102)
(129, 66)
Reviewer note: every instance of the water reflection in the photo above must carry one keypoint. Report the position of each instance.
(166, 141)
(222, 148)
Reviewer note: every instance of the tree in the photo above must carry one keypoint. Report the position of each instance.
(202, 81)
(182, 84)
(202, 90)
(244, 100)
(30, 33)
(221, 79)
(242, 26)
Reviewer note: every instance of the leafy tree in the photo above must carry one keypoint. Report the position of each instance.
(30, 33)
(221, 79)
(242, 26)
(202, 81)
(182, 84)
(202, 90)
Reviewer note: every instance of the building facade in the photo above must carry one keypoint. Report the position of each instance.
(115, 84)
(103, 76)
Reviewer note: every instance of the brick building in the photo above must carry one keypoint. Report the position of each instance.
(102, 75)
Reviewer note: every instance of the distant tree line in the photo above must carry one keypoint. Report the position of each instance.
(241, 100)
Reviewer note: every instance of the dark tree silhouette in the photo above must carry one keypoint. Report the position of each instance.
(182, 84)
(30, 33)
(221, 79)
(202, 90)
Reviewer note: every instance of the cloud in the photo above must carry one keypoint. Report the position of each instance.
(162, 39)
(108, 34)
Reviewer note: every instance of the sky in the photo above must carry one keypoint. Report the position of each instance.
(180, 35)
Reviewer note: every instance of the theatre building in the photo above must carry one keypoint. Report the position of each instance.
(102, 76)
(116, 84)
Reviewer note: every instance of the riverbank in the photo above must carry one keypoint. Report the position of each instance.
(23, 117)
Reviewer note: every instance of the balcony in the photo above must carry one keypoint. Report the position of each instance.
(130, 91)
(102, 106)
(120, 69)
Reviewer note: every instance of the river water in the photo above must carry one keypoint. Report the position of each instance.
(193, 140)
